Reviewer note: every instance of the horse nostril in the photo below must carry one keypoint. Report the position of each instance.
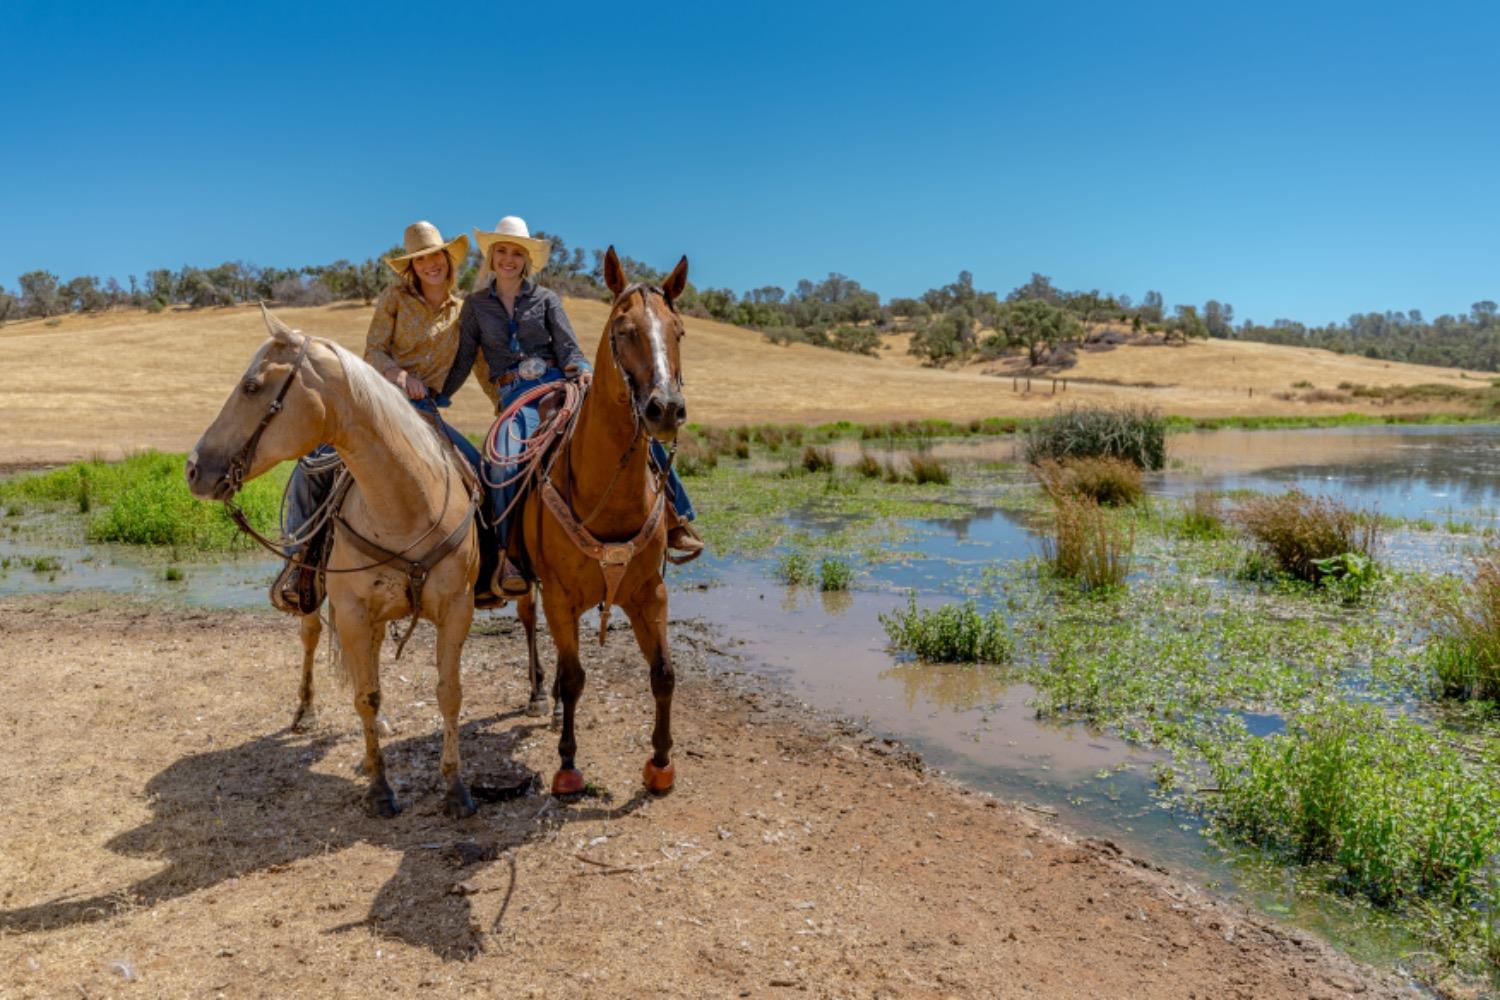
(654, 410)
(192, 472)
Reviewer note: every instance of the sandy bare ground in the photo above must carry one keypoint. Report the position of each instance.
(109, 383)
(165, 836)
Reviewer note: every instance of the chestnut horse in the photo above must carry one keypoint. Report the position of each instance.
(405, 542)
(594, 528)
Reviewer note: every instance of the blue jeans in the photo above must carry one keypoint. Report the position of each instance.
(307, 489)
(523, 424)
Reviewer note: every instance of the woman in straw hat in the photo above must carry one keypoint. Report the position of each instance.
(520, 329)
(412, 341)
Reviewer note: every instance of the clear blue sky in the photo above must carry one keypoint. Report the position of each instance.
(1300, 160)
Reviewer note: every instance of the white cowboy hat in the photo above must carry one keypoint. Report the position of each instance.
(423, 238)
(512, 229)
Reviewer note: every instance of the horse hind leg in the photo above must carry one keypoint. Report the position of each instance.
(311, 630)
(526, 612)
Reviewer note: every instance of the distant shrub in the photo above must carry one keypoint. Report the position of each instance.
(1113, 482)
(1298, 532)
(868, 465)
(695, 458)
(298, 291)
(815, 459)
(1131, 433)
(928, 469)
(1088, 544)
(954, 633)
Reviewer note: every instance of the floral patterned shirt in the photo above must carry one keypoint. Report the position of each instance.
(407, 333)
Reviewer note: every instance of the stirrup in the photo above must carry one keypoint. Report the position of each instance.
(682, 538)
(519, 586)
(297, 589)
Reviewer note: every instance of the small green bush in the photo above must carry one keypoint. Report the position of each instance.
(834, 573)
(1301, 534)
(796, 569)
(1132, 433)
(954, 633)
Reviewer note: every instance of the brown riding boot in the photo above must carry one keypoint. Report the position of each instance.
(296, 589)
(682, 538)
(508, 581)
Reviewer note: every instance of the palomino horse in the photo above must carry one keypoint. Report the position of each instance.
(593, 527)
(405, 541)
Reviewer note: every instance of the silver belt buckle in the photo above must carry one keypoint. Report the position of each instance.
(532, 368)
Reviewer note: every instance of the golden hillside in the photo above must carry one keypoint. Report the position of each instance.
(109, 383)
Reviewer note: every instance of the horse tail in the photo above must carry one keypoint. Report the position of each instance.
(336, 664)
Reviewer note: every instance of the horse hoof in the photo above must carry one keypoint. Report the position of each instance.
(658, 779)
(567, 781)
(458, 803)
(537, 707)
(305, 719)
(381, 803)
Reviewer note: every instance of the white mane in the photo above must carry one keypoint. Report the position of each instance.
(390, 412)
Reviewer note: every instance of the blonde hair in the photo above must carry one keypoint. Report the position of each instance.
(486, 274)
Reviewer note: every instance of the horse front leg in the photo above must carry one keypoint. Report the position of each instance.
(526, 612)
(648, 619)
(360, 639)
(311, 630)
(451, 633)
(562, 622)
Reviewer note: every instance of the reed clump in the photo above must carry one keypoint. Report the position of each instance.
(868, 465)
(834, 573)
(1134, 434)
(953, 633)
(1464, 651)
(1088, 544)
(1112, 482)
(815, 459)
(1310, 538)
(926, 468)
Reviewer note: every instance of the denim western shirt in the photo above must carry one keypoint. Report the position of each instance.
(542, 331)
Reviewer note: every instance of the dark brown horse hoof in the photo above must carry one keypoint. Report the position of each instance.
(380, 801)
(567, 781)
(458, 804)
(537, 707)
(658, 779)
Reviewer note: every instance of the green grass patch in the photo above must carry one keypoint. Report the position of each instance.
(1464, 651)
(144, 500)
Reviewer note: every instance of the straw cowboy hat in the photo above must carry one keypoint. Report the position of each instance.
(423, 238)
(512, 229)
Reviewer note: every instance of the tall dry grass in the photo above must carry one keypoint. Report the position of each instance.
(1113, 482)
(1297, 531)
(1088, 544)
(1465, 647)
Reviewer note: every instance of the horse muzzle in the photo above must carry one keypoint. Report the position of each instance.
(665, 411)
(208, 480)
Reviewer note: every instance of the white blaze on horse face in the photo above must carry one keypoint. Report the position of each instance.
(659, 351)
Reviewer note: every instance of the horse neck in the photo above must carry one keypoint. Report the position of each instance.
(606, 432)
(401, 489)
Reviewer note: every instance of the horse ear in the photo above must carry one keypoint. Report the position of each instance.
(614, 274)
(676, 281)
(278, 330)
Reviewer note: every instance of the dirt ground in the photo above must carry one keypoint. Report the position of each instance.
(109, 383)
(164, 835)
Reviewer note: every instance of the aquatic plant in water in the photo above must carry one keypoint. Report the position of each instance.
(954, 633)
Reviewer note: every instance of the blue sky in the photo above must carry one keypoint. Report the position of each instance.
(1297, 160)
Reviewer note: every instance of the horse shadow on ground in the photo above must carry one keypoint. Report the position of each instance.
(259, 806)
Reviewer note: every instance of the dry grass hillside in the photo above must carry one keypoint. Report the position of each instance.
(109, 383)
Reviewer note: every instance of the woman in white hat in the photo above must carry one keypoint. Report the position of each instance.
(412, 341)
(520, 329)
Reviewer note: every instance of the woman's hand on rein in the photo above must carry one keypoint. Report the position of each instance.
(409, 384)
